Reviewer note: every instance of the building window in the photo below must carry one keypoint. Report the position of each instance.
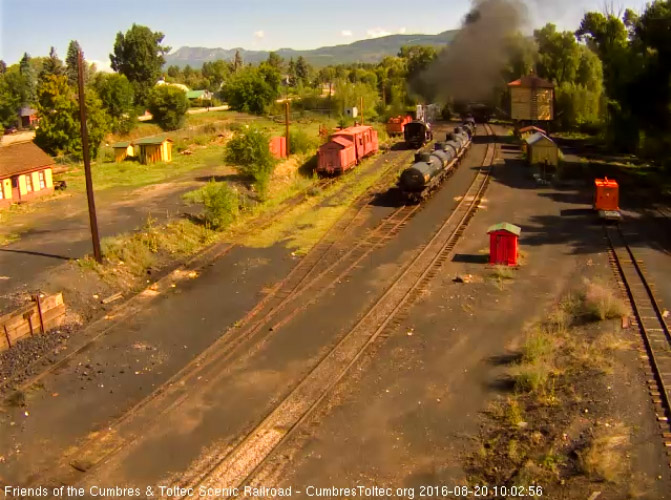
(29, 183)
(42, 183)
(2, 192)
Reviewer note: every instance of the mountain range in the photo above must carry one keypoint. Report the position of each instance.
(366, 51)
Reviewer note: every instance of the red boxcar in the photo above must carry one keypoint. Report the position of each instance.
(396, 124)
(346, 149)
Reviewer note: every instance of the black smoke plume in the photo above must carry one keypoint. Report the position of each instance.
(470, 68)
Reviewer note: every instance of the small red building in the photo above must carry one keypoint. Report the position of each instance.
(278, 147)
(606, 194)
(503, 244)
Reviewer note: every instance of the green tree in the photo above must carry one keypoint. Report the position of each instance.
(138, 54)
(174, 72)
(169, 105)
(302, 71)
(59, 130)
(249, 150)
(216, 73)
(10, 101)
(29, 78)
(52, 65)
(237, 62)
(291, 72)
(118, 99)
(559, 55)
(252, 89)
(71, 62)
(275, 61)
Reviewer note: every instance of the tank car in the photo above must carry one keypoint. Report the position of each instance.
(429, 169)
(417, 133)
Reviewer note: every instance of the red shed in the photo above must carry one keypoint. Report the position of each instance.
(336, 156)
(503, 244)
(278, 147)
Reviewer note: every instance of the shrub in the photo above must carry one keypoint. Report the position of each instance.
(249, 150)
(168, 105)
(600, 303)
(301, 142)
(221, 203)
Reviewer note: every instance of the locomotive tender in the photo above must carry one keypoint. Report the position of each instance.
(417, 133)
(431, 168)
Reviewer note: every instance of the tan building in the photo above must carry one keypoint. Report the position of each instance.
(123, 150)
(153, 149)
(531, 99)
(25, 173)
(541, 150)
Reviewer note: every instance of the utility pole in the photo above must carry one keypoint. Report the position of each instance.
(286, 122)
(361, 110)
(93, 220)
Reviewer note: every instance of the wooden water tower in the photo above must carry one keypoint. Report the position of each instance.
(531, 99)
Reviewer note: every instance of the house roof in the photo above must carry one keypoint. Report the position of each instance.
(123, 144)
(195, 94)
(27, 111)
(22, 157)
(151, 140)
(505, 226)
(538, 137)
(531, 81)
(532, 128)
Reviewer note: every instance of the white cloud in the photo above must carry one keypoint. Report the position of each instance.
(103, 66)
(346, 33)
(402, 30)
(377, 32)
(259, 34)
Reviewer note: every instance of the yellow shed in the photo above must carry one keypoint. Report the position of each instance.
(153, 149)
(531, 99)
(123, 150)
(541, 149)
(25, 173)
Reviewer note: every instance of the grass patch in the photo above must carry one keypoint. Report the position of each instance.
(134, 174)
(604, 458)
(600, 303)
(130, 256)
(8, 238)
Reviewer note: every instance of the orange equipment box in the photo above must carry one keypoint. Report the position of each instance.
(606, 194)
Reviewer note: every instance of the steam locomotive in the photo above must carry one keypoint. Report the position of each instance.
(431, 168)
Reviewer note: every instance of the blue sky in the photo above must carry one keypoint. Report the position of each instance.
(34, 25)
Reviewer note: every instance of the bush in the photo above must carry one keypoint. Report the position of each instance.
(221, 203)
(249, 150)
(168, 105)
(301, 142)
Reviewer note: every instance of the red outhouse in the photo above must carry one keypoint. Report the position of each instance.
(278, 147)
(503, 244)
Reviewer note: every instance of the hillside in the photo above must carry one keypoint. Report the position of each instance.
(368, 51)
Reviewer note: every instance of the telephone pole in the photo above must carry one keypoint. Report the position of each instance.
(286, 121)
(93, 220)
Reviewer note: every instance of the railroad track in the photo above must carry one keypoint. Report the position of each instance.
(651, 322)
(237, 466)
(308, 275)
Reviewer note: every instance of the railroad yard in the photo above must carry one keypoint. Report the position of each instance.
(372, 269)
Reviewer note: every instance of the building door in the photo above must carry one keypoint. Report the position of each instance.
(502, 249)
(16, 195)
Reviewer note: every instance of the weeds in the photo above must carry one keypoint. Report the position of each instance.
(604, 458)
(600, 303)
(221, 203)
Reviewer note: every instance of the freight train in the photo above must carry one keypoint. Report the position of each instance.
(346, 149)
(431, 168)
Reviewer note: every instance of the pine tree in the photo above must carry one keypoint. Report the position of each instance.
(71, 62)
(292, 72)
(3, 67)
(29, 78)
(302, 70)
(237, 62)
(52, 65)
